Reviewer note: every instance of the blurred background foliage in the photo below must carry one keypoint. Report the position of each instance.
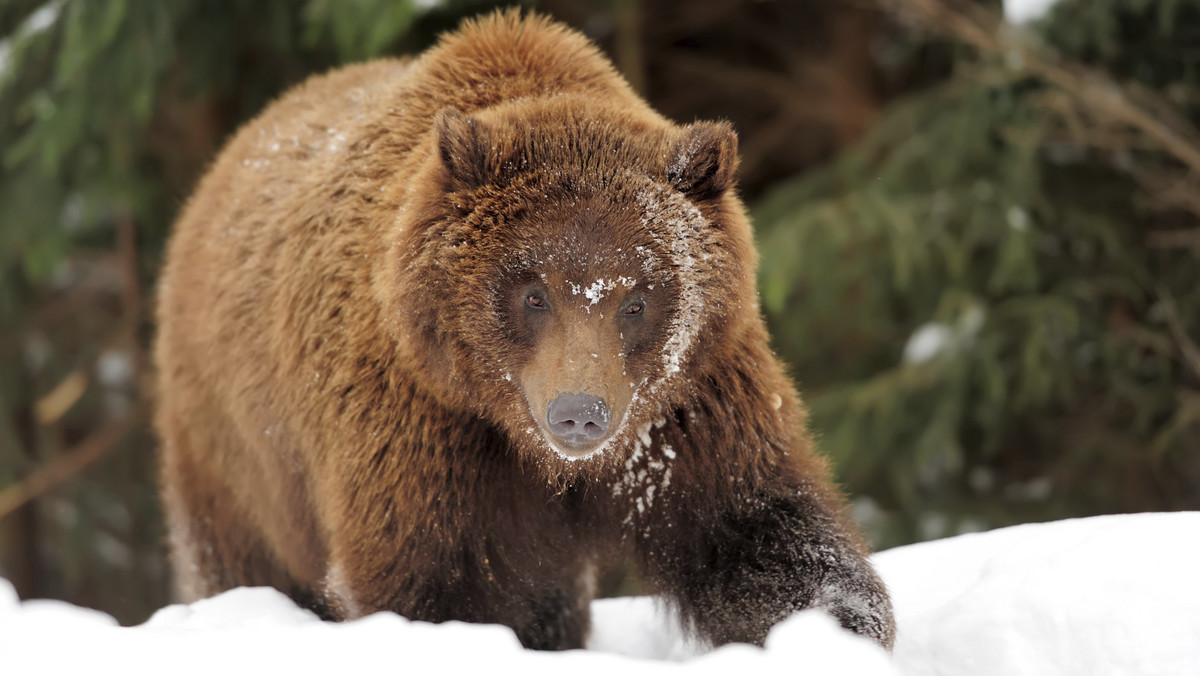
(979, 240)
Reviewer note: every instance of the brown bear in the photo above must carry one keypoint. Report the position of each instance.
(441, 336)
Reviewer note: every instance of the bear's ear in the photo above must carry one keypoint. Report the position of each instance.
(462, 147)
(703, 160)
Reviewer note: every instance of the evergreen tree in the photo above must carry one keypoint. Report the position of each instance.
(993, 300)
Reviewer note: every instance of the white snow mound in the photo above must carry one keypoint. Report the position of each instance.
(1112, 595)
(1108, 595)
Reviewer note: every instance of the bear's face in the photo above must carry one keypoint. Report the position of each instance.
(582, 274)
(583, 305)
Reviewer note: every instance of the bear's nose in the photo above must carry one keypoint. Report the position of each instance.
(578, 417)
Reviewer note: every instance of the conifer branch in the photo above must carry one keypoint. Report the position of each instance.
(1102, 98)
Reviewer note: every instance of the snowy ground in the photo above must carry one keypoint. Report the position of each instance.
(1109, 595)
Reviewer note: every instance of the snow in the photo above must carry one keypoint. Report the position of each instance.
(927, 342)
(1026, 11)
(38, 22)
(5, 57)
(43, 18)
(933, 338)
(1106, 595)
(685, 225)
(1018, 219)
(114, 368)
(596, 291)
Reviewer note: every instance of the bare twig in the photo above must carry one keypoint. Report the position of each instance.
(67, 465)
(1187, 346)
(1171, 239)
(58, 401)
(1168, 188)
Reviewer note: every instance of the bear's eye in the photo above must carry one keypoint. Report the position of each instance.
(634, 309)
(534, 300)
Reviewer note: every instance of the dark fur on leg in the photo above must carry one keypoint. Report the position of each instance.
(738, 573)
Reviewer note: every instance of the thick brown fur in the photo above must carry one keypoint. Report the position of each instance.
(352, 373)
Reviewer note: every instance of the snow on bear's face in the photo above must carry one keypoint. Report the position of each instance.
(585, 306)
(583, 274)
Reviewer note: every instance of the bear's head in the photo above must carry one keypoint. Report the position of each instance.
(568, 271)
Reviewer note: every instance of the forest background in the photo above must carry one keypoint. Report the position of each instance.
(979, 238)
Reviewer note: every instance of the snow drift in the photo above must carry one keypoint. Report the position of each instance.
(1107, 595)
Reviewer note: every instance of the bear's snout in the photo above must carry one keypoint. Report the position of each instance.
(578, 418)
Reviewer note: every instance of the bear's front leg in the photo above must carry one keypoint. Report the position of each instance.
(736, 568)
(475, 540)
(544, 599)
